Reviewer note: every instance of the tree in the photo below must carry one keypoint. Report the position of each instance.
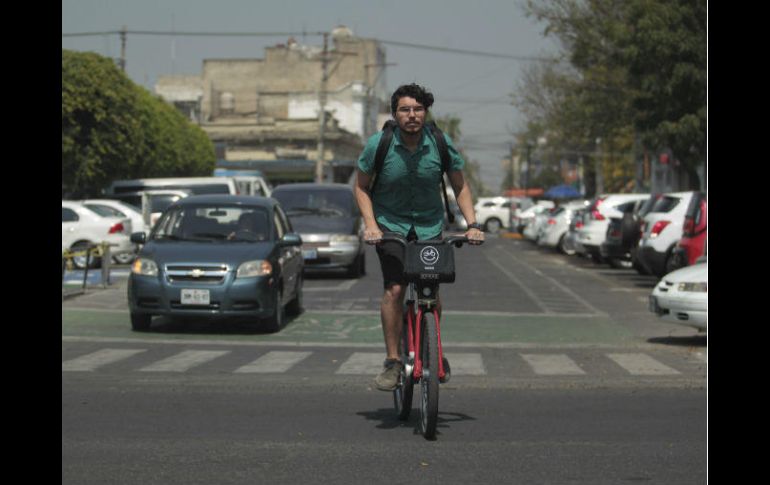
(113, 129)
(451, 126)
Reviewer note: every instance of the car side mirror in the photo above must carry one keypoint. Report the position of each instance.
(139, 238)
(291, 239)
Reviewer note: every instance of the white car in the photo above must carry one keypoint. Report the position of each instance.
(523, 217)
(681, 297)
(494, 213)
(597, 217)
(663, 228)
(81, 226)
(116, 208)
(554, 233)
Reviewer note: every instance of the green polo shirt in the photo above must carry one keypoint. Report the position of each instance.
(408, 192)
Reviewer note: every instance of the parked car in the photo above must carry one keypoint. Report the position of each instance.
(596, 219)
(82, 227)
(217, 256)
(570, 245)
(328, 219)
(681, 297)
(494, 213)
(533, 227)
(524, 217)
(159, 201)
(623, 234)
(554, 232)
(663, 228)
(116, 208)
(692, 246)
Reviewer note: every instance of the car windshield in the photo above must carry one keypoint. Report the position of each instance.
(329, 203)
(214, 223)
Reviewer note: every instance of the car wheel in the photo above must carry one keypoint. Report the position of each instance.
(124, 258)
(493, 226)
(80, 261)
(276, 321)
(569, 251)
(140, 322)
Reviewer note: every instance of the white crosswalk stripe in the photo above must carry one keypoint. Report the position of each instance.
(274, 362)
(94, 360)
(642, 364)
(370, 363)
(362, 363)
(184, 361)
(552, 364)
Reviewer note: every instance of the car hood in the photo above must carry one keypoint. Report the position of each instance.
(694, 273)
(232, 253)
(323, 225)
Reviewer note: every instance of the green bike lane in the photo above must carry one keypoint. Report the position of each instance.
(360, 328)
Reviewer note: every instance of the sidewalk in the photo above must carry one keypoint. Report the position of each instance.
(96, 294)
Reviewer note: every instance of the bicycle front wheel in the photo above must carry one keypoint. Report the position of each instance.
(429, 382)
(402, 395)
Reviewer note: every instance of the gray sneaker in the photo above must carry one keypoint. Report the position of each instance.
(388, 378)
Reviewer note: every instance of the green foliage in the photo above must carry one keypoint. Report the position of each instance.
(115, 129)
(636, 68)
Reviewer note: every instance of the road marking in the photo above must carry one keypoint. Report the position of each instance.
(344, 286)
(92, 361)
(184, 361)
(519, 283)
(642, 365)
(466, 364)
(552, 364)
(362, 363)
(274, 362)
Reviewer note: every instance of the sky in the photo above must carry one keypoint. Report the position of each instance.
(474, 88)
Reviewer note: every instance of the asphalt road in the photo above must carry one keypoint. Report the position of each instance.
(560, 375)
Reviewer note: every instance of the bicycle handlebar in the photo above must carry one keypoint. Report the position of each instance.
(457, 239)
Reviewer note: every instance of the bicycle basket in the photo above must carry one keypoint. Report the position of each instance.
(429, 260)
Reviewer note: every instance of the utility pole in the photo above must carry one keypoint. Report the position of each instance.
(319, 164)
(123, 49)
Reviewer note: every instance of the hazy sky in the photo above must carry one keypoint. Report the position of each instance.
(476, 89)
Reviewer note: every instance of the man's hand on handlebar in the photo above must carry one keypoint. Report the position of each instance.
(372, 235)
(475, 236)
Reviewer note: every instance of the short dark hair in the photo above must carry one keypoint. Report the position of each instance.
(422, 95)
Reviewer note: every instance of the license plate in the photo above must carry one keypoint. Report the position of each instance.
(310, 254)
(196, 297)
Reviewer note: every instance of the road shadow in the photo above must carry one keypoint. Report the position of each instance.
(213, 326)
(685, 341)
(386, 419)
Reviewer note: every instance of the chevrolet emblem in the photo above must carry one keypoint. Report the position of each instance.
(197, 273)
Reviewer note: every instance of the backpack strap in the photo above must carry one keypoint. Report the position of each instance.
(382, 150)
(443, 151)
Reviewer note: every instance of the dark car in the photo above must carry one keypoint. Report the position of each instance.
(218, 256)
(623, 234)
(328, 219)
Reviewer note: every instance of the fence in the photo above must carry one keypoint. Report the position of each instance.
(90, 251)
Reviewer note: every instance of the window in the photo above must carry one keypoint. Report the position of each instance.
(69, 215)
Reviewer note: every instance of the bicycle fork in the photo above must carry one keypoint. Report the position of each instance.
(414, 335)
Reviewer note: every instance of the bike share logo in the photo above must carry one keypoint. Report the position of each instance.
(429, 256)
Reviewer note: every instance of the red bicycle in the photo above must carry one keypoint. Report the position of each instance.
(426, 264)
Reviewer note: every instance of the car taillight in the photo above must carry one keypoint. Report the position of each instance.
(658, 228)
(117, 228)
(551, 222)
(689, 226)
(597, 216)
(578, 224)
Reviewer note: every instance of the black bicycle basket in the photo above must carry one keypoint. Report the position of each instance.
(431, 261)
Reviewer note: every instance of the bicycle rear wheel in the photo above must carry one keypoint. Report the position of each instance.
(429, 382)
(402, 395)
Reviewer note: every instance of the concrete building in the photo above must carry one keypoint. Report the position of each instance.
(261, 113)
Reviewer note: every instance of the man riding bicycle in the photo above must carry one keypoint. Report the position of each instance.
(406, 200)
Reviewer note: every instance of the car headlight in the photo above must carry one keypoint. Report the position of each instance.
(144, 267)
(344, 238)
(251, 269)
(697, 287)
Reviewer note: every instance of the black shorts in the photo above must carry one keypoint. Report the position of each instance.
(391, 256)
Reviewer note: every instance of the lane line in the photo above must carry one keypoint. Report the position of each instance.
(94, 360)
(642, 365)
(362, 363)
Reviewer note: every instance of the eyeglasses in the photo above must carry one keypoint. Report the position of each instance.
(418, 110)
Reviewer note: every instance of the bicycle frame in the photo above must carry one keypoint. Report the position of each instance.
(414, 322)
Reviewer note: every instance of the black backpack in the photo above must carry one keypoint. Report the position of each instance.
(384, 146)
